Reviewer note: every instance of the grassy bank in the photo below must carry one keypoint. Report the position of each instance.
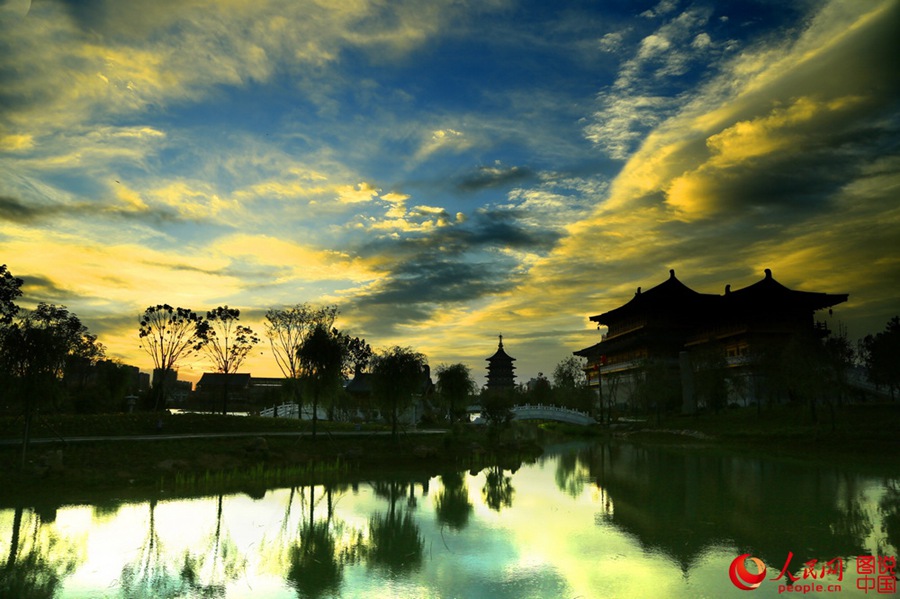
(90, 471)
(144, 423)
(869, 432)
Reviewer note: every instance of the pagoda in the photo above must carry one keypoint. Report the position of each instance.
(500, 375)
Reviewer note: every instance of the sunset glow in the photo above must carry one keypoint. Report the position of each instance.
(445, 172)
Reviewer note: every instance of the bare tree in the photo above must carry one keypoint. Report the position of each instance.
(227, 343)
(169, 334)
(287, 329)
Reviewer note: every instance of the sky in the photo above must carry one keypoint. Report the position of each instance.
(445, 171)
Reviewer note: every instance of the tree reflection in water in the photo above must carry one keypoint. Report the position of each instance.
(498, 490)
(395, 543)
(682, 505)
(571, 475)
(28, 573)
(315, 562)
(452, 506)
(889, 507)
(207, 573)
(149, 575)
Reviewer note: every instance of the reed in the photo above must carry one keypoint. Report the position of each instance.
(259, 475)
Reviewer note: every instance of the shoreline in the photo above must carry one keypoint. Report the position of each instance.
(202, 455)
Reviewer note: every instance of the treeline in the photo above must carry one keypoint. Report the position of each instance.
(48, 355)
(48, 358)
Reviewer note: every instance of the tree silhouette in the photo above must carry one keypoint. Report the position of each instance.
(10, 289)
(570, 385)
(357, 354)
(226, 343)
(321, 357)
(169, 334)
(35, 351)
(397, 373)
(881, 355)
(287, 329)
(454, 385)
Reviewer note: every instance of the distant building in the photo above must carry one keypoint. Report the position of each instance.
(180, 392)
(213, 386)
(501, 371)
(674, 326)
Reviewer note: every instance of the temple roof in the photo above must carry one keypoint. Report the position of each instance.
(673, 296)
(770, 293)
(669, 296)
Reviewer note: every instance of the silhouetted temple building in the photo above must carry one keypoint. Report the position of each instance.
(500, 370)
(678, 329)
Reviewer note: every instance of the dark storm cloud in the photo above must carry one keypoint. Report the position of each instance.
(489, 177)
(38, 289)
(505, 228)
(452, 265)
(102, 324)
(15, 210)
(417, 288)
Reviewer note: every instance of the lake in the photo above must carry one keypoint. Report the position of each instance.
(585, 520)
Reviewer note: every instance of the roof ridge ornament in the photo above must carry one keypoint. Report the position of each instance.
(768, 272)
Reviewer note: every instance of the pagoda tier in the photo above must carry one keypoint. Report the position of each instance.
(500, 370)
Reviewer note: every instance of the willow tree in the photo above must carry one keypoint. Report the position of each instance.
(321, 357)
(454, 386)
(397, 373)
(168, 335)
(226, 343)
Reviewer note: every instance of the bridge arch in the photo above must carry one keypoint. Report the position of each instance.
(550, 412)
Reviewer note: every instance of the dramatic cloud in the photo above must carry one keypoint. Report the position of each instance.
(446, 172)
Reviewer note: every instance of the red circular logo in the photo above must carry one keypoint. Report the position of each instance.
(741, 577)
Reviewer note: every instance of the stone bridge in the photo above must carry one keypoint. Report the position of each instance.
(549, 412)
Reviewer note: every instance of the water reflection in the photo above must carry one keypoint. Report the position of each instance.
(451, 504)
(684, 502)
(37, 560)
(316, 561)
(613, 520)
(395, 543)
(498, 490)
(889, 509)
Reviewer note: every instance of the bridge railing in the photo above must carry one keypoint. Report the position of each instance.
(552, 412)
(554, 407)
(285, 410)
